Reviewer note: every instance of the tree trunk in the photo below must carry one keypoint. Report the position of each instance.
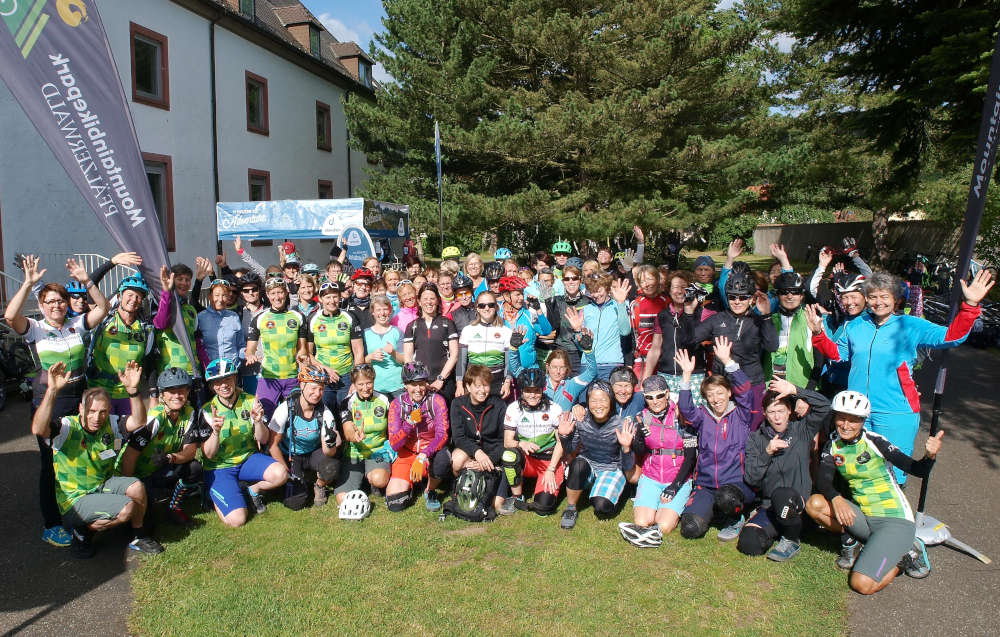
(880, 237)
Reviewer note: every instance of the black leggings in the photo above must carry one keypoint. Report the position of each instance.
(579, 474)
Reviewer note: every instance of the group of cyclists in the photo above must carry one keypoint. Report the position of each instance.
(752, 401)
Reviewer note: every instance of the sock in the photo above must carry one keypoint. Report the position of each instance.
(180, 491)
(847, 539)
(571, 507)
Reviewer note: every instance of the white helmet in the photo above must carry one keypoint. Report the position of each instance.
(853, 403)
(355, 506)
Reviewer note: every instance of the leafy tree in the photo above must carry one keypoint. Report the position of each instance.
(564, 118)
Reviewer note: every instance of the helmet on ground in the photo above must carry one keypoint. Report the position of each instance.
(173, 377)
(362, 273)
(461, 281)
(790, 281)
(75, 287)
(355, 506)
(313, 374)
(415, 372)
(740, 284)
(221, 368)
(844, 282)
(311, 269)
(502, 254)
(561, 247)
(853, 403)
(451, 252)
(134, 282)
(512, 283)
(531, 377)
(493, 270)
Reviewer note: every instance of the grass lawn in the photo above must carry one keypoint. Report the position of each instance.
(309, 573)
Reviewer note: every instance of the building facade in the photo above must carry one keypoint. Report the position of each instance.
(233, 100)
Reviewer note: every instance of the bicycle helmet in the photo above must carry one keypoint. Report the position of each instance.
(451, 252)
(311, 269)
(844, 282)
(562, 247)
(739, 284)
(173, 377)
(313, 374)
(221, 368)
(790, 281)
(461, 281)
(493, 270)
(502, 254)
(415, 372)
(362, 273)
(134, 282)
(355, 506)
(531, 377)
(512, 283)
(852, 403)
(293, 260)
(250, 278)
(576, 262)
(75, 287)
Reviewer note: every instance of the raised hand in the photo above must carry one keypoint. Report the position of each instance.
(734, 251)
(203, 267)
(825, 258)
(586, 339)
(575, 318)
(566, 424)
(578, 412)
(238, 244)
(517, 336)
(77, 271)
(620, 290)
(685, 361)
(814, 319)
(977, 290)
(778, 252)
(32, 274)
(626, 434)
(166, 278)
(637, 233)
(782, 387)
(58, 376)
(131, 376)
(131, 259)
(257, 411)
(723, 349)
(762, 303)
(220, 260)
(628, 258)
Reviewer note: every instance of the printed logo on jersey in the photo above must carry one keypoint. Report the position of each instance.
(379, 412)
(838, 460)
(53, 335)
(292, 324)
(269, 325)
(112, 330)
(107, 440)
(545, 417)
(245, 414)
(496, 335)
(357, 415)
(341, 326)
(321, 328)
(864, 457)
(72, 330)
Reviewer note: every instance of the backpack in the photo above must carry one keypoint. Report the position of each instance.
(472, 498)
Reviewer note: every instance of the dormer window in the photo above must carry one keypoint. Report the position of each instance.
(247, 8)
(314, 39)
(365, 73)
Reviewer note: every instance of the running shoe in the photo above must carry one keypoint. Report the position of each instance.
(82, 548)
(258, 501)
(784, 550)
(521, 504)
(431, 500)
(507, 507)
(568, 520)
(848, 555)
(57, 536)
(319, 495)
(146, 545)
(732, 531)
(915, 562)
(641, 536)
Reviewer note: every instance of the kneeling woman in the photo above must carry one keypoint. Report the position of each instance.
(305, 437)
(723, 426)
(234, 431)
(877, 513)
(532, 449)
(477, 423)
(366, 428)
(418, 432)
(608, 444)
(777, 463)
(665, 485)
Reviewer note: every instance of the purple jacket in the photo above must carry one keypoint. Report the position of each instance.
(721, 441)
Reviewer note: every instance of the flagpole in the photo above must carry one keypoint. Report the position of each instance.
(437, 160)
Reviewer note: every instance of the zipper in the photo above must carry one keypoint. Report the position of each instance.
(868, 375)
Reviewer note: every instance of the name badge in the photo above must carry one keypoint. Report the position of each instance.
(106, 454)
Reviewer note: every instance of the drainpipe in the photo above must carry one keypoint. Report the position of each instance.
(215, 126)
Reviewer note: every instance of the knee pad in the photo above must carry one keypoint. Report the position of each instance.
(729, 500)
(753, 541)
(544, 503)
(579, 471)
(440, 464)
(786, 503)
(512, 461)
(398, 501)
(603, 507)
(693, 526)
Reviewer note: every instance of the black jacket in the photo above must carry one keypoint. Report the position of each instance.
(751, 335)
(475, 427)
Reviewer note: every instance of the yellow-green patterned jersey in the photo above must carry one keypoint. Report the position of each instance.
(277, 335)
(114, 345)
(159, 434)
(873, 486)
(236, 439)
(82, 460)
(172, 353)
(332, 337)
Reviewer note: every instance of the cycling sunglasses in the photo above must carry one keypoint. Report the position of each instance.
(222, 282)
(364, 367)
(275, 275)
(740, 297)
(463, 294)
(659, 396)
(485, 306)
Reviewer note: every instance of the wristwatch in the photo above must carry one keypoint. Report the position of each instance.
(440, 378)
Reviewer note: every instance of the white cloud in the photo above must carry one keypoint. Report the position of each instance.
(784, 42)
(340, 30)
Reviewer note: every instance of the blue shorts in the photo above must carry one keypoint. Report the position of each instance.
(607, 484)
(224, 484)
(648, 495)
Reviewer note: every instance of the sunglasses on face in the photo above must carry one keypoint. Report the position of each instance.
(485, 306)
(77, 296)
(249, 290)
(571, 278)
(463, 295)
(740, 297)
(789, 293)
(659, 396)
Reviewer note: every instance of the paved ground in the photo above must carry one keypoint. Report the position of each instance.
(46, 592)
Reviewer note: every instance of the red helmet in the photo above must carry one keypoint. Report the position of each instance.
(511, 283)
(362, 273)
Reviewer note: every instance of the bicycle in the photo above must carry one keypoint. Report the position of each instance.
(17, 366)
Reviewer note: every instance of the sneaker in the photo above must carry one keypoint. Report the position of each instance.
(57, 536)
(848, 555)
(146, 545)
(641, 536)
(319, 495)
(521, 504)
(731, 532)
(915, 562)
(258, 501)
(179, 518)
(81, 547)
(507, 507)
(431, 500)
(569, 518)
(785, 550)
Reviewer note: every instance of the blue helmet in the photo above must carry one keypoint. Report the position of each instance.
(576, 262)
(221, 368)
(134, 282)
(75, 287)
(502, 254)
